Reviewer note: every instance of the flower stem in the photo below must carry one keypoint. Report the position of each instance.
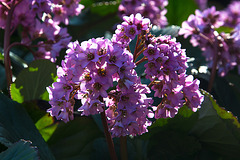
(214, 45)
(215, 61)
(19, 44)
(123, 148)
(141, 60)
(213, 72)
(108, 137)
(7, 61)
(136, 46)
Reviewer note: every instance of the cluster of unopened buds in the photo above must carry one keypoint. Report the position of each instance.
(40, 21)
(222, 50)
(101, 73)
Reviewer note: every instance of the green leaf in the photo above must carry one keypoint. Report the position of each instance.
(75, 139)
(15, 124)
(86, 3)
(100, 149)
(227, 92)
(168, 138)
(15, 93)
(212, 131)
(1, 57)
(46, 126)
(224, 29)
(183, 121)
(217, 129)
(105, 8)
(21, 150)
(178, 11)
(227, 115)
(3, 80)
(137, 148)
(34, 110)
(31, 82)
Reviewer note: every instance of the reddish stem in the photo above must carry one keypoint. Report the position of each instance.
(213, 71)
(108, 136)
(139, 53)
(141, 60)
(215, 61)
(139, 50)
(136, 46)
(128, 48)
(7, 61)
(19, 44)
(152, 83)
(214, 45)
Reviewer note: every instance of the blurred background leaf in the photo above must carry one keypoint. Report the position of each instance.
(178, 11)
(31, 82)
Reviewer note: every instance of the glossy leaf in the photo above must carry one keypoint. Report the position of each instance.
(15, 124)
(217, 129)
(227, 92)
(21, 150)
(75, 139)
(210, 132)
(3, 80)
(169, 138)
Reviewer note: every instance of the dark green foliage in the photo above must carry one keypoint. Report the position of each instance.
(21, 150)
(28, 132)
(15, 124)
(31, 82)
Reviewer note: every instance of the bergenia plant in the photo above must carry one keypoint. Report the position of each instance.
(131, 84)
(91, 68)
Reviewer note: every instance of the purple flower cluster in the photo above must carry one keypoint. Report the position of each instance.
(152, 9)
(40, 21)
(101, 73)
(87, 73)
(220, 47)
(166, 68)
(202, 4)
(231, 15)
(62, 9)
(128, 106)
(130, 27)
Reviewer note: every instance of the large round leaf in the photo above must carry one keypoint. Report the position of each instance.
(75, 140)
(31, 82)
